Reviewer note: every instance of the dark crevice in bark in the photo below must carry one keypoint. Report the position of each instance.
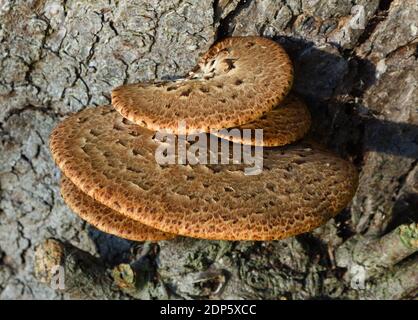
(384, 5)
(225, 28)
(378, 17)
(216, 12)
(30, 108)
(344, 230)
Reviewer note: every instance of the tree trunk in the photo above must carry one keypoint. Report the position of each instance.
(356, 66)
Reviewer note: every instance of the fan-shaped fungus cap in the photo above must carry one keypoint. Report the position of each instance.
(106, 219)
(286, 123)
(300, 187)
(236, 81)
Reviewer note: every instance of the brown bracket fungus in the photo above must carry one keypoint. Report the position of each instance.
(113, 161)
(286, 123)
(116, 183)
(106, 219)
(236, 81)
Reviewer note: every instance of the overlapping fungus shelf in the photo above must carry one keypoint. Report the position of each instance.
(286, 123)
(235, 82)
(106, 219)
(113, 161)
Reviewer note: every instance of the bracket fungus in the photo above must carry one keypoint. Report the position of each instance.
(113, 180)
(236, 81)
(106, 219)
(286, 123)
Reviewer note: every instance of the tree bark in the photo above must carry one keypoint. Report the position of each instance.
(355, 65)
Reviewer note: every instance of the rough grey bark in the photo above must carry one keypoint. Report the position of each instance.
(356, 65)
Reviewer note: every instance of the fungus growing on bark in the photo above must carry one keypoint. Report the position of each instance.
(236, 81)
(106, 219)
(109, 154)
(286, 123)
(300, 187)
